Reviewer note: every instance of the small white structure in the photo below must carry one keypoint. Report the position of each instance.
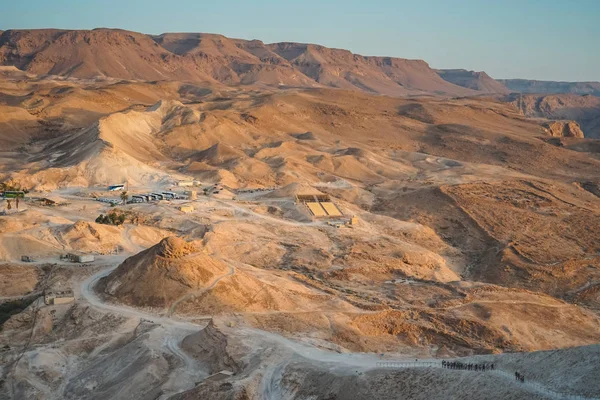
(114, 188)
(84, 258)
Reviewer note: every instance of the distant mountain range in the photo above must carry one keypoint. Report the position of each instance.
(531, 86)
(121, 54)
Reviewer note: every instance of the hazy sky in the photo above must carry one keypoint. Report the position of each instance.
(534, 39)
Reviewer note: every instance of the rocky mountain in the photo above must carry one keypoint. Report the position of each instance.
(479, 81)
(532, 86)
(214, 58)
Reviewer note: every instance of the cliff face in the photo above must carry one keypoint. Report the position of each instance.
(584, 110)
(90, 54)
(214, 58)
(564, 129)
(479, 81)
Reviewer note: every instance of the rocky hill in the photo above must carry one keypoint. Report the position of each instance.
(564, 129)
(214, 58)
(533, 86)
(479, 81)
(162, 274)
(585, 110)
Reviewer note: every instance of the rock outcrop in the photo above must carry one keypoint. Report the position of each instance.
(564, 129)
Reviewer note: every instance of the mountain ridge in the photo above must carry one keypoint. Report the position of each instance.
(122, 54)
(476, 80)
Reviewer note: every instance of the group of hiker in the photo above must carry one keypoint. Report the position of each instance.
(477, 367)
(467, 366)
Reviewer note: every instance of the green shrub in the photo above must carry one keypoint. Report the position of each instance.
(112, 218)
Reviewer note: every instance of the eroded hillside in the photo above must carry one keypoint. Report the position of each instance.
(476, 231)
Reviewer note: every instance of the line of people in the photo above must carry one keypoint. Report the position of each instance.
(467, 366)
(477, 367)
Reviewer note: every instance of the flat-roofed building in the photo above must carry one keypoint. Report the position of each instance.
(59, 297)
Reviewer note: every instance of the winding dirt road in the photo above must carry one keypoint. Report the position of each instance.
(190, 371)
(185, 376)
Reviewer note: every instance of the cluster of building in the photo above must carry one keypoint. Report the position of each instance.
(144, 198)
(253, 190)
(72, 257)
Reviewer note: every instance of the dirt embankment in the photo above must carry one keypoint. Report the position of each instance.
(210, 347)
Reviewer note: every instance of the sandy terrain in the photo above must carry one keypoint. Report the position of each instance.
(477, 234)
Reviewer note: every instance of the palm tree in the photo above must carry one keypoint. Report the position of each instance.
(124, 197)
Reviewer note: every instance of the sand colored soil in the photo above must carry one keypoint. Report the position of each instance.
(475, 230)
(17, 280)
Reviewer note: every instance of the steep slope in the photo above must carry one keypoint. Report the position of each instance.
(583, 109)
(160, 275)
(121, 146)
(17, 127)
(533, 86)
(384, 75)
(479, 81)
(233, 61)
(209, 58)
(88, 54)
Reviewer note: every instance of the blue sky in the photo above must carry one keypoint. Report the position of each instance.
(534, 39)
